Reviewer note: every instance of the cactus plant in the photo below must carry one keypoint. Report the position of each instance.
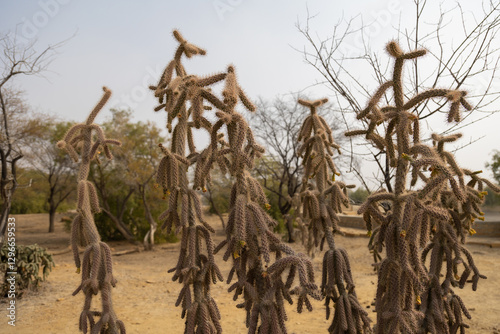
(196, 269)
(96, 267)
(249, 237)
(430, 212)
(321, 201)
(33, 265)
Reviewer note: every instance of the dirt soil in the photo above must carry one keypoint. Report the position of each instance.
(145, 294)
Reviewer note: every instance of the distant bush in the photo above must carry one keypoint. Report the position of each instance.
(359, 195)
(491, 198)
(220, 201)
(32, 194)
(32, 266)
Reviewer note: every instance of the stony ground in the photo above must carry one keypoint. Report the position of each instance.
(145, 295)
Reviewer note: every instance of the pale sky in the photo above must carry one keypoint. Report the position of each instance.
(126, 44)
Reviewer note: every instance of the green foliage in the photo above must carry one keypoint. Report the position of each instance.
(359, 195)
(273, 188)
(491, 199)
(274, 211)
(219, 190)
(30, 198)
(221, 203)
(32, 194)
(133, 165)
(106, 228)
(33, 265)
(494, 165)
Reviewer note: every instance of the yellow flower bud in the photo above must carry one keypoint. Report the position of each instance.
(406, 157)
(472, 231)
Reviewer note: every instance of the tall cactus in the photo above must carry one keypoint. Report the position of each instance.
(432, 216)
(250, 241)
(196, 268)
(88, 139)
(321, 201)
(249, 237)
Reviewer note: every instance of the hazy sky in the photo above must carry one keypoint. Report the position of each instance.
(126, 44)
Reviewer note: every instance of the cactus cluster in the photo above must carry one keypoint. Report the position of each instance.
(250, 241)
(430, 212)
(321, 200)
(196, 268)
(422, 227)
(96, 267)
(33, 266)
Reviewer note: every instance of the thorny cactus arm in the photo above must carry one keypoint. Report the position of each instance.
(196, 268)
(250, 241)
(431, 220)
(322, 200)
(96, 267)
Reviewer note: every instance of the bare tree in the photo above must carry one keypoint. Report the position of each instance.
(53, 164)
(472, 56)
(217, 194)
(276, 125)
(15, 60)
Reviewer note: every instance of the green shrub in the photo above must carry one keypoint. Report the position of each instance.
(31, 195)
(32, 266)
(491, 198)
(358, 196)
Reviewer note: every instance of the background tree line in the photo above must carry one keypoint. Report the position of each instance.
(131, 203)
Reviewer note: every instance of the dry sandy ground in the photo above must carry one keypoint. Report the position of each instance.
(145, 295)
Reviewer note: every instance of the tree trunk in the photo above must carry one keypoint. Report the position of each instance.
(52, 218)
(212, 203)
(4, 218)
(149, 238)
(7, 189)
(121, 227)
(284, 209)
(289, 227)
